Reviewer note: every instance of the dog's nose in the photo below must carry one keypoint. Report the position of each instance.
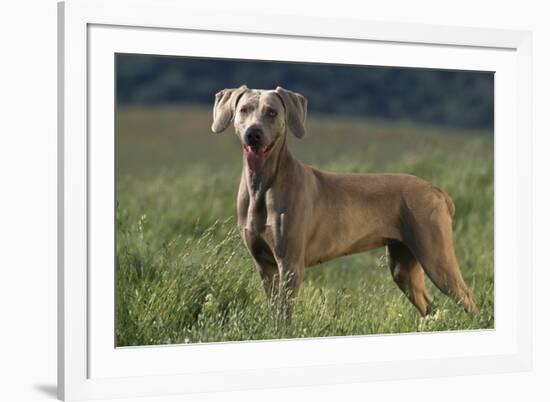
(253, 136)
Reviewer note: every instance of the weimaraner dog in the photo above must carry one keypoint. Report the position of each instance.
(292, 216)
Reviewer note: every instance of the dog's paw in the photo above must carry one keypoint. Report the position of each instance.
(429, 321)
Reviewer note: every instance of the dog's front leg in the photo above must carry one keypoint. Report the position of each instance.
(269, 274)
(292, 275)
(281, 280)
(288, 251)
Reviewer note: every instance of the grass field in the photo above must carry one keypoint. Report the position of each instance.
(184, 276)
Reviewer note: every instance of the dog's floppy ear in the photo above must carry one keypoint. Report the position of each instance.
(296, 110)
(224, 107)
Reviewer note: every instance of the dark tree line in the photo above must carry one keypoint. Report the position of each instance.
(454, 98)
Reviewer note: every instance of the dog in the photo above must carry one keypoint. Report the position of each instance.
(292, 216)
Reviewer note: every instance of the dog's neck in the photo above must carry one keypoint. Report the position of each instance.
(258, 182)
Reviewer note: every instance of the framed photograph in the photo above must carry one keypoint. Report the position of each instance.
(248, 204)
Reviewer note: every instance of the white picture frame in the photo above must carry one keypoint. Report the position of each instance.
(91, 367)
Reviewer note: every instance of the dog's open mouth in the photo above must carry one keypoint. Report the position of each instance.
(255, 156)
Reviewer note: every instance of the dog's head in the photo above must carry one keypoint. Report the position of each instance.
(261, 118)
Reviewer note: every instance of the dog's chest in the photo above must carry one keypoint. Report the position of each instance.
(259, 243)
(261, 227)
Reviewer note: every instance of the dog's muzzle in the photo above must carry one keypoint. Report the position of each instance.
(256, 153)
(253, 137)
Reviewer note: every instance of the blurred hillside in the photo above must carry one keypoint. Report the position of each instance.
(457, 99)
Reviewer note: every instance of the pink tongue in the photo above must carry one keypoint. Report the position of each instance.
(254, 160)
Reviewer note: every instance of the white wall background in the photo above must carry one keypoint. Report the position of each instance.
(28, 199)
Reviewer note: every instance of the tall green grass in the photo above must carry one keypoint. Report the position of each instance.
(184, 276)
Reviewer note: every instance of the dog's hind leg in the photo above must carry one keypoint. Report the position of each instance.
(408, 275)
(433, 246)
(444, 272)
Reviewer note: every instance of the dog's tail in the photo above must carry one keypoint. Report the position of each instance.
(448, 201)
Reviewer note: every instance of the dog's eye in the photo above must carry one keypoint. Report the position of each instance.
(244, 110)
(272, 113)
